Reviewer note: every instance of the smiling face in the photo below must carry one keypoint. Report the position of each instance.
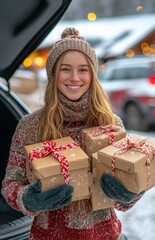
(74, 76)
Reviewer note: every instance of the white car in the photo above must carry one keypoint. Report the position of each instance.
(130, 84)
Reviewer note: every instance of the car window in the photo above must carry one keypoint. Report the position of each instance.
(130, 73)
(105, 75)
(139, 72)
(124, 73)
(152, 69)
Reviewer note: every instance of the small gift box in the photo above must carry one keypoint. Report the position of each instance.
(96, 138)
(58, 161)
(131, 160)
(99, 199)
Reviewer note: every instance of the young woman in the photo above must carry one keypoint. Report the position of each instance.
(74, 100)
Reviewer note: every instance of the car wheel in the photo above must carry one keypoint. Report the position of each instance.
(134, 119)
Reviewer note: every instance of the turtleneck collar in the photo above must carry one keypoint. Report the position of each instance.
(75, 110)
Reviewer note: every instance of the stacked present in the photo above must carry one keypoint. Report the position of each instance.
(56, 162)
(131, 160)
(104, 150)
(94, 139)
(99, 199)
(62, 160)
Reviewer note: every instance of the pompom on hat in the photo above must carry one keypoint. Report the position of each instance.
(70, 40)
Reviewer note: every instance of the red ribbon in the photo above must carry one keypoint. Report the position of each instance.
(50, 147)
(108, 129)
(138, 145)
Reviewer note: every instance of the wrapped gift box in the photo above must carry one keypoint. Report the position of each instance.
(129, 167)
(96, 138)
(47, 169)
(99, 199)
(94, 160)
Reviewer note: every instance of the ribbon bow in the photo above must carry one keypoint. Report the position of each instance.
(51, 148)
(108, 129)
(138, 145)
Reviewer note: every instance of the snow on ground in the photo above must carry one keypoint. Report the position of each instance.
(139, 222)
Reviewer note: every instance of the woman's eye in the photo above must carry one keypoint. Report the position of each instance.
(84, 70)
(65, 69)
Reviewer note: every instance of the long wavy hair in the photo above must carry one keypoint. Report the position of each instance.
(50, 125)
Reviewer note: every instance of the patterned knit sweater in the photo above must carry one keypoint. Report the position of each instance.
(76, 221)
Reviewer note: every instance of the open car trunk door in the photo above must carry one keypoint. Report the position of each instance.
(23, 25)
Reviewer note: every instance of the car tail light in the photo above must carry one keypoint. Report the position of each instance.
(152, 79)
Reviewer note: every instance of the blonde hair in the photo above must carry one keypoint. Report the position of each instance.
(51, 122)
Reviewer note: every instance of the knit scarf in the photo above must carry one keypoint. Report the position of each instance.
(75, 110)
(75, 114)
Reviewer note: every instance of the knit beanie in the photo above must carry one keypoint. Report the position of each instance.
(70, 40)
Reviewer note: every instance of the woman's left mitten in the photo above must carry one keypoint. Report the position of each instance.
(114, 189)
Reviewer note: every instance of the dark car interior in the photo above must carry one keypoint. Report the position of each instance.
(23, 26)
(7, 127)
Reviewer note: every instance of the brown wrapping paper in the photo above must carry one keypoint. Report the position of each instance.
(134, 182)
(130, 167)
(48, 171)
(98, 198)
(92, 143)
(94, 159)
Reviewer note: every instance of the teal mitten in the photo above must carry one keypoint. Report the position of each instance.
(117, 191)
(52, 199)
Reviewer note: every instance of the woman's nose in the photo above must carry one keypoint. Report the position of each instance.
(75, 76)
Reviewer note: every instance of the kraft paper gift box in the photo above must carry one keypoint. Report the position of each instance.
(130, 167)
(99, 199)
(94, 160)
(96, 138)
(47, 169)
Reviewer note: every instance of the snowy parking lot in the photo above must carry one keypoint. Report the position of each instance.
(139, 222)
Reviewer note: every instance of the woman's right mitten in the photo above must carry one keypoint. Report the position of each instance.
(52, 199)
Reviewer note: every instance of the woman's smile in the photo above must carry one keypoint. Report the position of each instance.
(73, 86)
(74, 77)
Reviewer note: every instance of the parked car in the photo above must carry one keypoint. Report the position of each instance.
(130, 84)
(23, 25)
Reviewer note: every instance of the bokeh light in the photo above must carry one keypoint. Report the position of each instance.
(139, 8)
(152, 48)
(148, 49)
(130, 53)
(39, 61)
(27, 62)
(144, 46)
(91, 16)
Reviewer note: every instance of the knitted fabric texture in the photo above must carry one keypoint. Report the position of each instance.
(75, 110)
(62, 223)
(70, 41)
(114, 189)
(75, 115)
(52, 199)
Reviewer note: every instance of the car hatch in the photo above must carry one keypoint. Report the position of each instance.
(23, 28)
